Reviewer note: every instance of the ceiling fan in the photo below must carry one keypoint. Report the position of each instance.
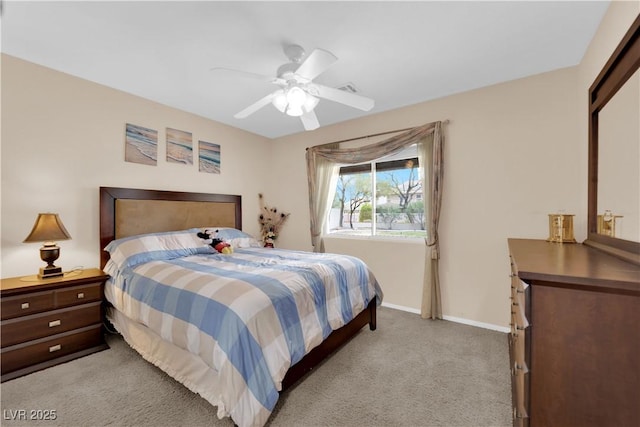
(298, 95)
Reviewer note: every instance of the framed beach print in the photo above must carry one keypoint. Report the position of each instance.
(179, 147)
(141, 145)
(209, 157)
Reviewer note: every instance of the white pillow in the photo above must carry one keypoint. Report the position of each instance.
(236, 238)
(134, 250)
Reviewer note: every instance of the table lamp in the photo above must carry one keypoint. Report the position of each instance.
(48, 227)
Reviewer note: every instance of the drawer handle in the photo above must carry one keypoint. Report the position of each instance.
(80, 295)
(54, 348)
(24, 305)
(54, 323)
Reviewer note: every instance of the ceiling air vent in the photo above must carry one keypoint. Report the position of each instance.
(348, 87)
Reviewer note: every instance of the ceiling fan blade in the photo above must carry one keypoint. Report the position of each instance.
(310, 121)
(351, 99)
(255, 106)
(255, 76)
(315, 64)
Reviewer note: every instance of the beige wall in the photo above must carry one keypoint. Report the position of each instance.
(614, 25)
(63, 137)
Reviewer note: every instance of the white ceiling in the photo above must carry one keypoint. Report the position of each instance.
(398, 53)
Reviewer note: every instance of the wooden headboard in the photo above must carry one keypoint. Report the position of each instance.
(128, 211)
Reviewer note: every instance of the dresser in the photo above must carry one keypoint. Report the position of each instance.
(574, 344)
(50, 321)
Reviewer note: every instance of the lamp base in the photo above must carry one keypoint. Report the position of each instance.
(49, 253)
(48, 272)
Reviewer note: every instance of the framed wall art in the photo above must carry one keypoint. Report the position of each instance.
(141, 145)
(209, 157)
(179, 147)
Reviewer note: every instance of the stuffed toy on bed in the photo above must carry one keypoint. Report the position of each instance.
(217, 244)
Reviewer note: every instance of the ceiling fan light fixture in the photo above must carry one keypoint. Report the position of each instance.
(294, 101)
(296, 97)
(310, 103)
(294, 111)
(280, 101)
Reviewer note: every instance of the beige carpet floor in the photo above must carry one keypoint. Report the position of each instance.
(409, 372)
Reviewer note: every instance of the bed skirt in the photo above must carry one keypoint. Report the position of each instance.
(179, 364)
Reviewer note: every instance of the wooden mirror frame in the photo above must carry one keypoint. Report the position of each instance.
(624, 62)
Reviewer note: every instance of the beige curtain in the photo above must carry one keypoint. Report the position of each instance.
(323, 163)
(431, 159)
(322, 175)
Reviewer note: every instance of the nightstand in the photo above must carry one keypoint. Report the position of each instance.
(51, 321)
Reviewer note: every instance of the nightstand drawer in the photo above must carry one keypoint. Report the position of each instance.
(24, 355)
(22, 305)
(79, 295)
(27, 328)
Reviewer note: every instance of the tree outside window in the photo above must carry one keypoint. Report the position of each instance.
(397, 208)
(353, 191)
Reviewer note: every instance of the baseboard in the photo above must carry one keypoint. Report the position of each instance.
(483, 325)
(401, 308)
(452, 318)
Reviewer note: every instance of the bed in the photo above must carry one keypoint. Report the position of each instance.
(288, 310)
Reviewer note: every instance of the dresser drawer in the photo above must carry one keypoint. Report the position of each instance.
(28, 328)
(520, 377)
(518, 304)
(517, 285)
(79, 295)
(22, 305)
(518, 349)
(519, 382)
(514, 268)
(21, 355)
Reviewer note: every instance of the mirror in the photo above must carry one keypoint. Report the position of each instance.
(619, 163)
(614, 152)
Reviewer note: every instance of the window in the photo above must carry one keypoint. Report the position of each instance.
(397, 208)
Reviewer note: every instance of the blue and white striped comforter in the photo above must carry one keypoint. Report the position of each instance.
(249, 315)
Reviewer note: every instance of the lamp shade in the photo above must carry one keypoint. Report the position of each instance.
(48, 227)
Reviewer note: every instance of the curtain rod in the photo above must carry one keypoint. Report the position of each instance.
(368, 136)
(371, 136)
